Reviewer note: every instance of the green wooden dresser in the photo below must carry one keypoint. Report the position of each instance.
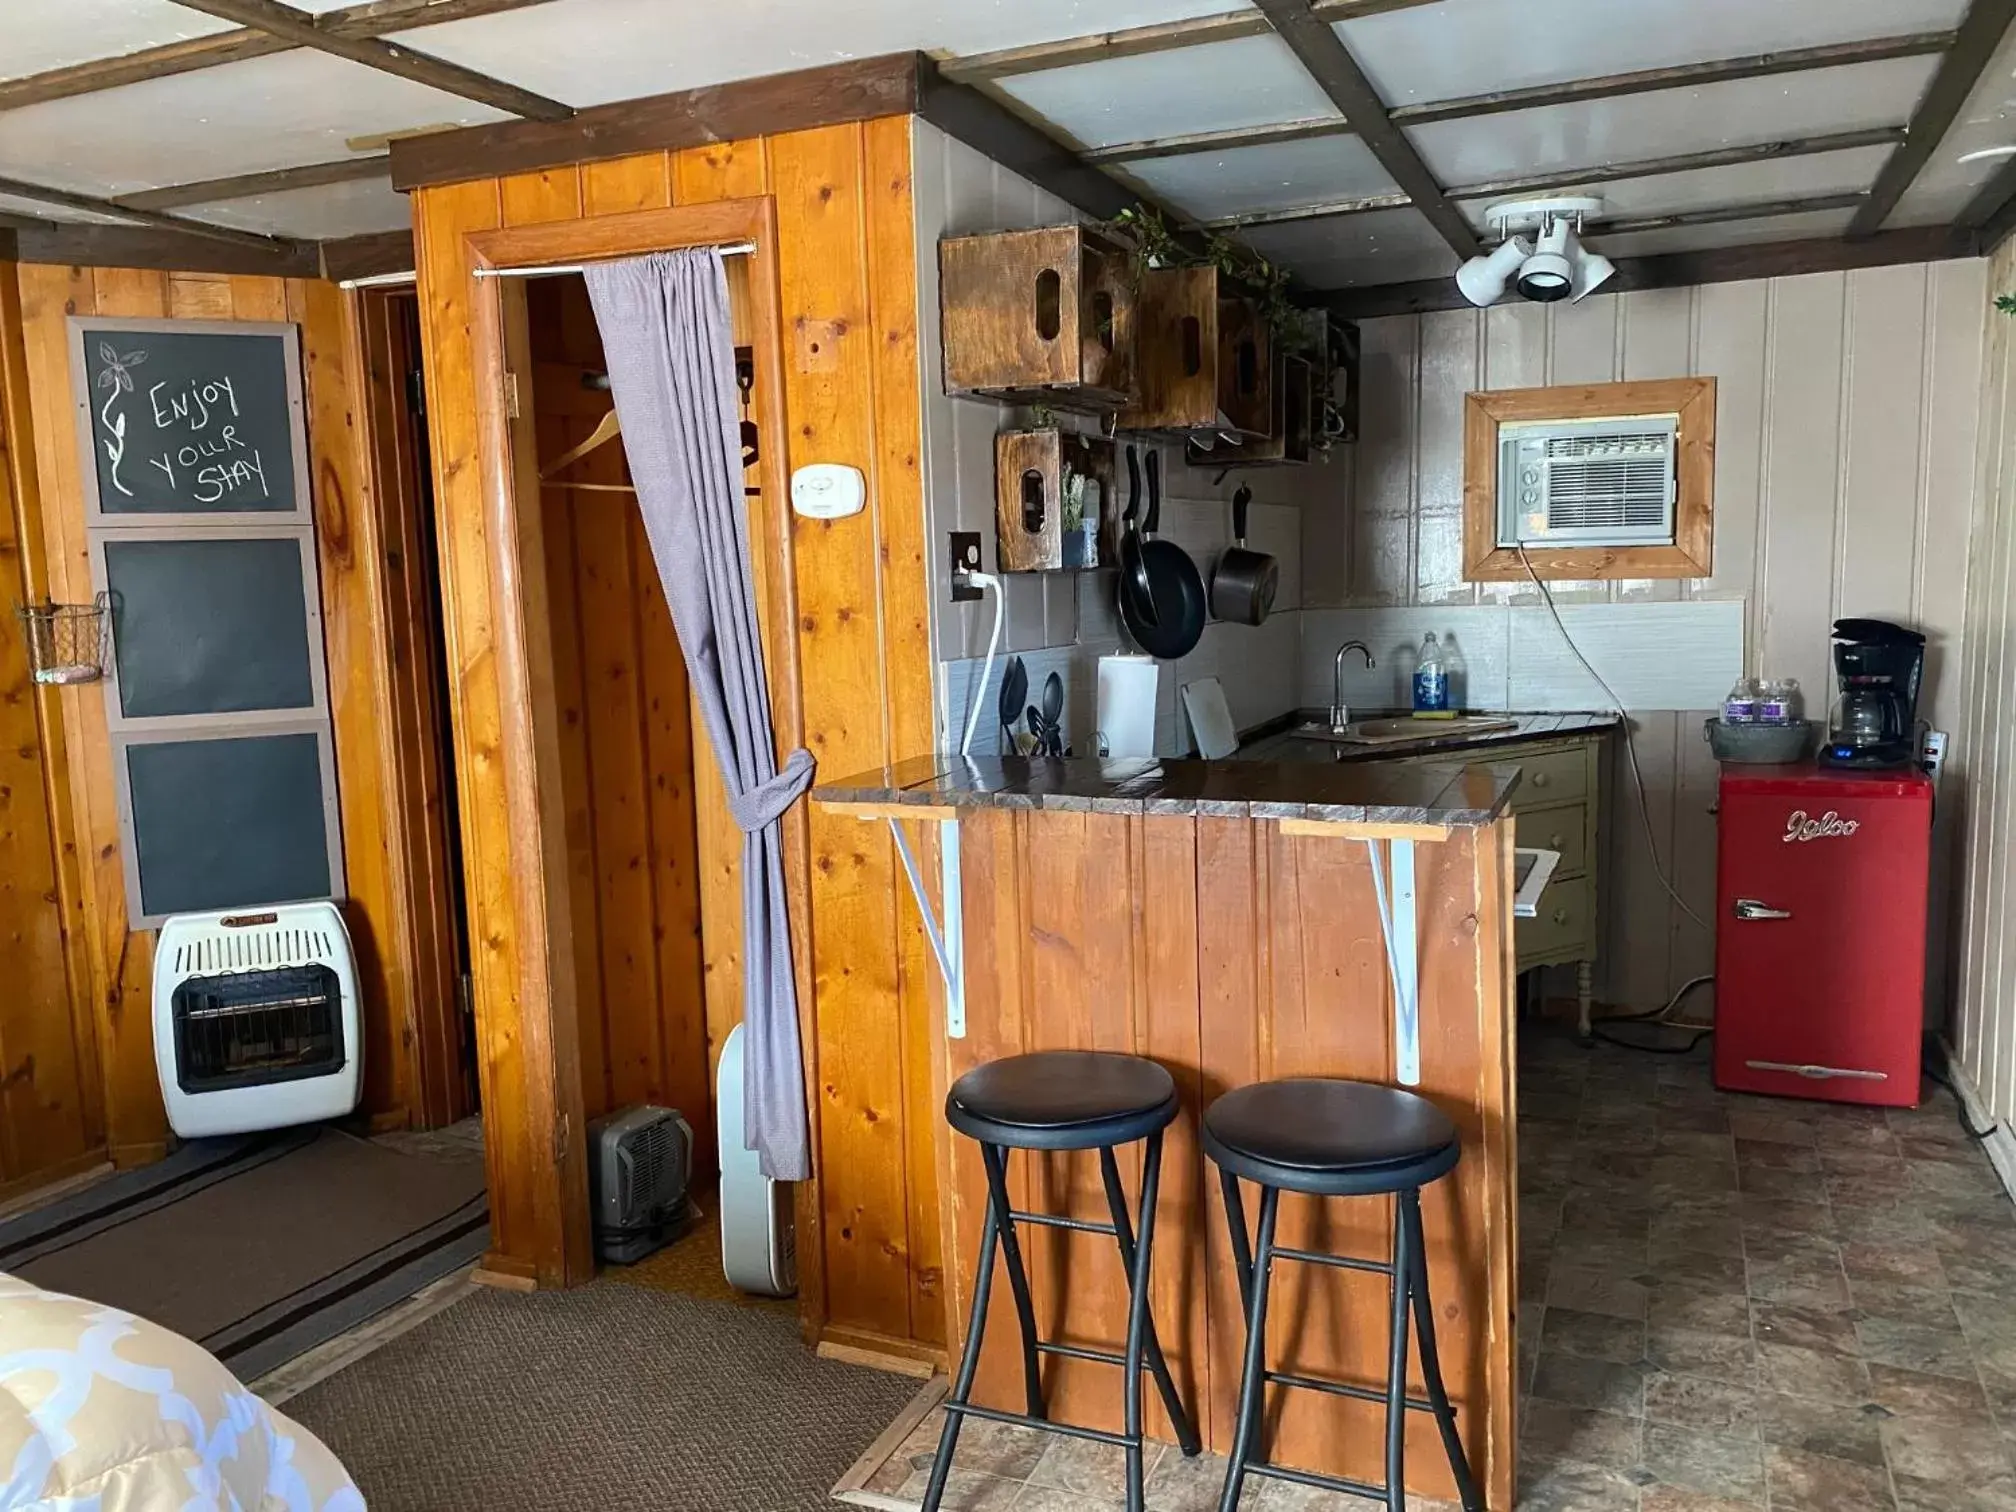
(1557, 807)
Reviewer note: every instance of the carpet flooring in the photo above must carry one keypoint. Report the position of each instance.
(613, 1397)
(259, 1248)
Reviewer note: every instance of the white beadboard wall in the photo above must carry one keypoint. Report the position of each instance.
(960, 191)
(1982, 1028)
(1848, 409)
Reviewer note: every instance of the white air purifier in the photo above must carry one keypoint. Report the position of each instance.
(759, 1236)
(255, 1019)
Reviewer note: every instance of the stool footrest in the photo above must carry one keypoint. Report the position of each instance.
(1084, 1352)
(1339, 1388)
(1337, 1483)
(1051, 1220)
(1023, 1419)
(1335, 1262)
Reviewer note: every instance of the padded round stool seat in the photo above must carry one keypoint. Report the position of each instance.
(1330, 1138)
(1062, 1100)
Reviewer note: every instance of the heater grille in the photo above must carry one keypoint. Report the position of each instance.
(1588, 482)
(254, 1027)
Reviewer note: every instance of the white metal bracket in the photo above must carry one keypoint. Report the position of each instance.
(1397, 922)
(948, 941)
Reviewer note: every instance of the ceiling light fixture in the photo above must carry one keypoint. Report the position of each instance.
(1553, 266)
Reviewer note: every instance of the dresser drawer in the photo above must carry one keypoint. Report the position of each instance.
(1550, 777)
(1562, 827)
(1565, 926)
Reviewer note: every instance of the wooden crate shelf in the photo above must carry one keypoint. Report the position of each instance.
(1034, 473)
(1038, 317)
(1203, 360)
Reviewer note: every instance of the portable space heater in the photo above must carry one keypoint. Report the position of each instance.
(640, 1163)
(759, 1234)
(255, 1019)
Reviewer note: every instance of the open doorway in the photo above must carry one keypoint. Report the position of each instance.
(444, 1089)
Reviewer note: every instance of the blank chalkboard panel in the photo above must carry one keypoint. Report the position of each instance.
(204, 626)
(228, 823)
(191, 420)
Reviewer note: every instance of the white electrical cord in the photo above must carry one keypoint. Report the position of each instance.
(1630, 746)
(979, 692)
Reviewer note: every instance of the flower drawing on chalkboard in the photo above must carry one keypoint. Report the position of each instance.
(116, 377)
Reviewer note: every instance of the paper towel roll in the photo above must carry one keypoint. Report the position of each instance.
(1127, 689)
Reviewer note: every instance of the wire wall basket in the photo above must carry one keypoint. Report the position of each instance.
(67, 643)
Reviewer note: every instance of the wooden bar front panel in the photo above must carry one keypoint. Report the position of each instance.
(1233, 953)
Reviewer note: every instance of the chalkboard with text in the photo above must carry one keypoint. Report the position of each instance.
(190, 417)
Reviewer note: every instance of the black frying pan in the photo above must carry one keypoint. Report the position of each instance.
(1175, 588)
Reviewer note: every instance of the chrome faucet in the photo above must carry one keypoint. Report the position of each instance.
(1340, 717)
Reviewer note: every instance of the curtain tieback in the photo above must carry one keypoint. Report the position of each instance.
(765, 803)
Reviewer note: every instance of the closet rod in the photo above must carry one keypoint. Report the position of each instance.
(740, 249)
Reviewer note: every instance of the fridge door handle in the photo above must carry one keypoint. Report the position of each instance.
(1750, 908)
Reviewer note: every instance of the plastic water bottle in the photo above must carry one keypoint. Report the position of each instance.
(1431, 678)
(1779, 702)
(1740, 707)
(1456, 675)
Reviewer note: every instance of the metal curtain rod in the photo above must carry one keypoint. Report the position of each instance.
(376, 281)
(740, 249)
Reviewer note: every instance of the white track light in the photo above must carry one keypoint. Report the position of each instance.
(1592, 271)
(1483, 278)
(1548, 274)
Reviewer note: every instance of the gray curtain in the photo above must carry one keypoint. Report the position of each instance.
(671, 353)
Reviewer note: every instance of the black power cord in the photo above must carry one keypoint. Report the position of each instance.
(1693, 1042)
(1934, 1060)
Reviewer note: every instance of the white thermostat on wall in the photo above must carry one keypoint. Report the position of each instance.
(828, 491)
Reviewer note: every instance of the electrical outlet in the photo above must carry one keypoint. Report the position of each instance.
(1933, 753)
(965, 559)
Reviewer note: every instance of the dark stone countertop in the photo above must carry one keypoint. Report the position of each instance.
(1450, 794)
(1287, 742)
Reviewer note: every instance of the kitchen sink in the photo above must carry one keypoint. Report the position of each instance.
(1403, 727)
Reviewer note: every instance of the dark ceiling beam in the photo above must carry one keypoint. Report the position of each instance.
(247, 185)
(1137, 41)
(830, 95)
(1329, 62)
(89, 204)
(300, 28)
(1219, 141)
(1722, 215)
(365, 256)
(1670, 270)
(1681, 76)
(1980, 34)
(1566, 179)
(102, 246)
(370, 20)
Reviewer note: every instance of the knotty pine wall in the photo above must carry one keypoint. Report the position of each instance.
(1844, 476)
(848, 284)
(626, 752)
(77, 1075)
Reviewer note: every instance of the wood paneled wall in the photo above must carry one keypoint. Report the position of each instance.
(626, 750)
(83, 1077)
(851, 382)
(1982, 1028)
(1845, 468)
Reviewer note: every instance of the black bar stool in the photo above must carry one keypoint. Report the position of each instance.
(1335, 1139)
(1064, 1100)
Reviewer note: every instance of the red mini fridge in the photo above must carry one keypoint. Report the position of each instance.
(1820, 896)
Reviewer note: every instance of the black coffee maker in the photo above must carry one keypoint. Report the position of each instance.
(1877, 666)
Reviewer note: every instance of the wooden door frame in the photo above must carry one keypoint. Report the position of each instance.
(534, 834)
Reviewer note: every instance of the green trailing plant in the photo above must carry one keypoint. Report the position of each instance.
(2006, 303)
(1156, 245)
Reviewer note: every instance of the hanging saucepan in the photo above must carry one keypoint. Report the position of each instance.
(1175, 590)
(1243, 587)
(1137, 596)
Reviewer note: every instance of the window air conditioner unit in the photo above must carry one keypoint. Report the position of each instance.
(1607, 482)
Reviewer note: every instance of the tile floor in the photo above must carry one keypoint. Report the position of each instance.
(1729, 1304)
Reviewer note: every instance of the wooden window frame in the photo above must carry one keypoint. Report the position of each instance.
(1692, 553)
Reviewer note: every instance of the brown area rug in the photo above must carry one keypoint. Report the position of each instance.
(260, 1248)
(612, 1397)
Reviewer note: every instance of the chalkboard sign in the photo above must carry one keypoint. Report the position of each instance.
(190, 417)
(208, 625)
(229, 823)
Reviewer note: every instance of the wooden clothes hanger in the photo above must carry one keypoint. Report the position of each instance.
(609, 428)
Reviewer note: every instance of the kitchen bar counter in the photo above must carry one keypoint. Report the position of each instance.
(1439, 795)
(1223, 919)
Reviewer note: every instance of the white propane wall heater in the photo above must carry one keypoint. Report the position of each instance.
(1606, 482)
